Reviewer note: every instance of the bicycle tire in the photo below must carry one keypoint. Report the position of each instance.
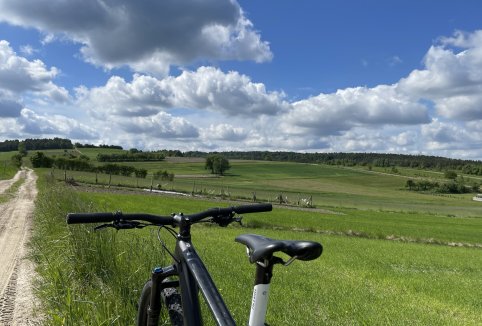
(171, 315)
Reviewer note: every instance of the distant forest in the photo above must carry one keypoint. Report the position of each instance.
(36, 144)
(344, 159)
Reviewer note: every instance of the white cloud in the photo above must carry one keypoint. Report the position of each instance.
(149, 35)
(9, 107)
(395, 60)
(207, 88)
(19, 75)
(161, 125)
(333, 113)
(28, 50)
(224, 132)
(452, 80)
(32, 123)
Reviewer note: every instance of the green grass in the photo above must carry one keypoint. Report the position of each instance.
(95, 278)
(329, 186)
(92, 152)
(7, 170)
(372, 224)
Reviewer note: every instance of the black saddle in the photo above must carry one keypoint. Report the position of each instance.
(261, 248)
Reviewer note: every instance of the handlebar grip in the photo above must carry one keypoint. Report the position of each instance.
(255, 208)
(77, 218)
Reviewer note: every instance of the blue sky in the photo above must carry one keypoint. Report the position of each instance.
(355, 76)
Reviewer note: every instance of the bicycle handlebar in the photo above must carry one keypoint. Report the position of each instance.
(78, 218)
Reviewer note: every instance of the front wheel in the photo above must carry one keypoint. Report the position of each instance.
(171, 299)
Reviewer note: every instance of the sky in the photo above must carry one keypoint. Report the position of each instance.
(219, 75)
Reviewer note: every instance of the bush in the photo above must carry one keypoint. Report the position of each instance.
(40, 160)
(450, 175)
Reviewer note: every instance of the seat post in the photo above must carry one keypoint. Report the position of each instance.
(259, 302)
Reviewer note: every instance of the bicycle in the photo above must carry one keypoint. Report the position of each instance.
(188, 272)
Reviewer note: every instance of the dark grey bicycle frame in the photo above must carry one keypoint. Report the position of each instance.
(193, 277)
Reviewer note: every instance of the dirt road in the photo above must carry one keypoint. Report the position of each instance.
(16, 272)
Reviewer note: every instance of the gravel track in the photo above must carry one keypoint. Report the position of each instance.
(17, 301)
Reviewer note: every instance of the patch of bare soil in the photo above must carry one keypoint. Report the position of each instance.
(17, 302)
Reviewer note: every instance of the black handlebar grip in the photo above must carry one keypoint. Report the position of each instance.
(77, 218)
(255, 208)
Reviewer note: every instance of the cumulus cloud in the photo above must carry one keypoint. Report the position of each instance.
(207, 88)
(9, 108)
(18, 75)
(161, 125)
(32, 123)
(224, 132)
(451, 79)
(333, 113)
(150, 35)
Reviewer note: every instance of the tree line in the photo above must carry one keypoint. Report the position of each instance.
(35, 144)
(451, 187)
(79, 145)
(130, 157)
(345, 159)
(40, 160)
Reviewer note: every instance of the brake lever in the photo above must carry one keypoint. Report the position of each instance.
(103, 226)
(238, 220)
(118, 225)
(225, 221)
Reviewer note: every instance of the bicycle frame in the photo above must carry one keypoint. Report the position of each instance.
(193, 277)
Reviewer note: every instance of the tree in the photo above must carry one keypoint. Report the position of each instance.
(140, 173)
(218, 164)
(22, 148)
(40, 160)
(17, 160)
(410, 184)
(450, 175)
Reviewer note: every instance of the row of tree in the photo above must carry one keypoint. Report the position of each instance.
(452, 187)
(130, 156)
(35, 144)
(79, 145)
(39, 159)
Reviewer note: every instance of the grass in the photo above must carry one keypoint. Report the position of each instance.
(328, 186)
(371, 224)
(95, 278)
(7, 170)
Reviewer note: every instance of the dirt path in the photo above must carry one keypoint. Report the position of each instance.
(5, 184)
(16, 272)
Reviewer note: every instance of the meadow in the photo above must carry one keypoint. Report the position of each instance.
(7, 169)
(331, 187)
(381, 264)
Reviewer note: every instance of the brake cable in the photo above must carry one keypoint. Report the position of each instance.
(163, 244)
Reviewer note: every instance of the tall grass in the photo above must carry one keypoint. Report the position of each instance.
(364, 223)
(7, 169)
(95, 278)
(88, 278)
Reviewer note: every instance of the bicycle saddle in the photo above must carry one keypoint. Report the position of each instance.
(261, 247)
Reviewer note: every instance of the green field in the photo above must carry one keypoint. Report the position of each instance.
(361, 278)
(7, 169)
(330, 187)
